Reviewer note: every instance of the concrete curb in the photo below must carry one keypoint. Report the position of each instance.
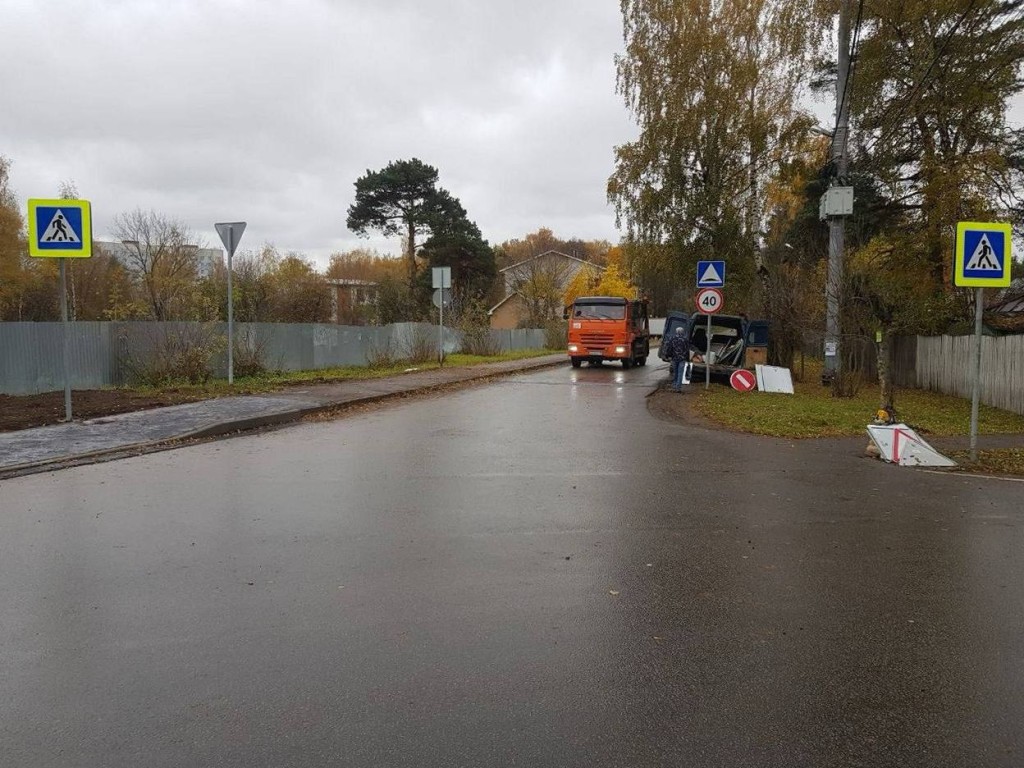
(252, 423)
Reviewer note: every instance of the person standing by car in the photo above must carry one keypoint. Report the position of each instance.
(679, 353)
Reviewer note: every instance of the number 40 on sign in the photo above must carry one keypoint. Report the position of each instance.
(710, 301)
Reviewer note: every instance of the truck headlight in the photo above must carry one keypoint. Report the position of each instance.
(620, 350)
(573, 348)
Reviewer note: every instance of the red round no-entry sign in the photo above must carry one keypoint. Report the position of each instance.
(743, 381)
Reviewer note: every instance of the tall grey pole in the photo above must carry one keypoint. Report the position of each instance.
(979, 311)
(230, 233)
(837, 224)
(231, 310)
(440, 329)
(66, 338)
(707, 359)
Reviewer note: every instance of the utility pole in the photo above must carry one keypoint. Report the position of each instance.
(837, 223)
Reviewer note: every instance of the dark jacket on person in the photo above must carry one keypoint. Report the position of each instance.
(678, 347)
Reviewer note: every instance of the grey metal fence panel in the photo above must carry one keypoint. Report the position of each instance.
(135, 344)
(31, 357)
(91, 355)
(501, 338)
(283, 345)
(508, 339)
(106, 353)
(527, 338)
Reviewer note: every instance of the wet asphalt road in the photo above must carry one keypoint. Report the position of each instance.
(536, 572)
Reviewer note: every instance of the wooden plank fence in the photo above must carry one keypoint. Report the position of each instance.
(944, 364)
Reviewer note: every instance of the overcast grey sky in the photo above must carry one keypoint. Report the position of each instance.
(267, 111)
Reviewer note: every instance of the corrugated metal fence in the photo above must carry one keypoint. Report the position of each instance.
(944, 364)
(102, 352)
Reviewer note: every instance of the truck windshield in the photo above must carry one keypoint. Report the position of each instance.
(600, 311)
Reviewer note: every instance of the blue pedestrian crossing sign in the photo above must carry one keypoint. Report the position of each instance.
(984, 254)
(59, 228)
(710, 274)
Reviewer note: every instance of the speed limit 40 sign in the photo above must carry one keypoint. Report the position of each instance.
(710, 301)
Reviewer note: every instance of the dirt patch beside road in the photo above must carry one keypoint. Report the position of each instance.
(678, 407)
(26, 411)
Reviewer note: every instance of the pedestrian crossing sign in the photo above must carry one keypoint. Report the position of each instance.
(59, 228)
(984, 253)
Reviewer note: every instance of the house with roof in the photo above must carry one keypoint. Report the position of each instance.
(1006, 315)
(535, 288)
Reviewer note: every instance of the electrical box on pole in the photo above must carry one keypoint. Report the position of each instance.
(837, 201)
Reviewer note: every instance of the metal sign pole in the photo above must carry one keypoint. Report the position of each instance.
(707, 359)
(230, 233)
(66, 338)
(231, 310)
(440, 332)
(441, 280)
(979, 311)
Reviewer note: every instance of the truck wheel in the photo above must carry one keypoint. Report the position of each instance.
(641, 360)
(576, 362)
(627, 363)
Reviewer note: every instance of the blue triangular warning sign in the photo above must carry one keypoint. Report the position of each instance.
(710, 274)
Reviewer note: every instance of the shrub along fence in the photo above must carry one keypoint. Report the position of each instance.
(115, 353)
(944, 364)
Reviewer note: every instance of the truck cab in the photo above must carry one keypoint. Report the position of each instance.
(735, 341)
(608, 328)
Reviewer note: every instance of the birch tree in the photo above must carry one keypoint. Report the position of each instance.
(714, 86)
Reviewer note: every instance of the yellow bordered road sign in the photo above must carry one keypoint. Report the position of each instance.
(984, 255)
(59, 228)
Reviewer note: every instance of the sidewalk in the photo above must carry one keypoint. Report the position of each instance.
(80, 442)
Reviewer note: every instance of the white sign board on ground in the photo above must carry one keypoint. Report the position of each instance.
(899, 444)
(771, 378)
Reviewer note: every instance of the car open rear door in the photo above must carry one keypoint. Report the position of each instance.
(756, 352)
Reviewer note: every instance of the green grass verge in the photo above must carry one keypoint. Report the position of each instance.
(276, 380)
(813, 412)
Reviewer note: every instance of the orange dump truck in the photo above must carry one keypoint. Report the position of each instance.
(608, 328)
